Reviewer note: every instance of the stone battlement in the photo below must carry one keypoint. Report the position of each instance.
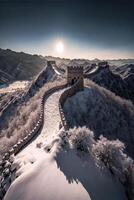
(75, 73)
(103, 64)
(51, 62)
(75, 68)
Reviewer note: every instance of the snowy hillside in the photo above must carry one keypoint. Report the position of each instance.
(103, 112)
(62, 173)
(60, 164)
(21, 108)
(19, 65)
(60, 142)
(121, 85)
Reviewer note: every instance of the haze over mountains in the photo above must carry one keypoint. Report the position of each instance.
(100, 120)
(118, 78)
(66, 99)
(23, 66)
(19, 66)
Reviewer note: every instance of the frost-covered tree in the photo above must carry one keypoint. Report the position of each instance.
(111, 154)
(106, 153)
(81, 139)
(103, 113)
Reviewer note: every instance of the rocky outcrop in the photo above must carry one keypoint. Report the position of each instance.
(7, 174)
(129, 79)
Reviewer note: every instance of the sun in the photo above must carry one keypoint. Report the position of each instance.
(60, 47)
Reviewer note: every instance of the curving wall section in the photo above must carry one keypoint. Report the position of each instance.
(7, 167)
(72, 90)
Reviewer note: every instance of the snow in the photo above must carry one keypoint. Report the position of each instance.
(56, 71)
(59, 174)
(65, 176)
(93, 70)
(50, 128)
(17, 85)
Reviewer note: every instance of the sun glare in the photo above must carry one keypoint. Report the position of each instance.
(60, 47)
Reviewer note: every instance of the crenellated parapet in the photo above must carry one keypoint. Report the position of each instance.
(103, 64)
(51, 62)
(69, 92)
(75, 73)
(7, 166)
(75, 67)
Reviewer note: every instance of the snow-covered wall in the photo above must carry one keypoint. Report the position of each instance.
(7, 167)
(68, 93)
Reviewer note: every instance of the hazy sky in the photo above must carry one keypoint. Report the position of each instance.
(86, 29)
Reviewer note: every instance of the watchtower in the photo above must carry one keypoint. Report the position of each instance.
(75, 73)
(103, 64)
(51, 62)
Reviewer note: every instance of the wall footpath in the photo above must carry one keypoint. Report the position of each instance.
(7, 167)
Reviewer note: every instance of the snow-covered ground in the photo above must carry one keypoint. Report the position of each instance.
(64, 176)
(50, 128)
(48, 172)
(17, 85)
(93, 70)
(56, 71)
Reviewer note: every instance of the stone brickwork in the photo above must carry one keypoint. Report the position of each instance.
(72, 90)
(103, 64)
(74, 74)
(7, 167)
(51, 62)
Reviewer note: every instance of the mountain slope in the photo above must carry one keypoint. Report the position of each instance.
(102, 112)
(122, 87)
(19, 65)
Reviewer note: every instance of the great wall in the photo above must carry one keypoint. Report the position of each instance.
(64, 90)
(47, 120)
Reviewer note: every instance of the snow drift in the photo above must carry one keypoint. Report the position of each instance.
(65, 172)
